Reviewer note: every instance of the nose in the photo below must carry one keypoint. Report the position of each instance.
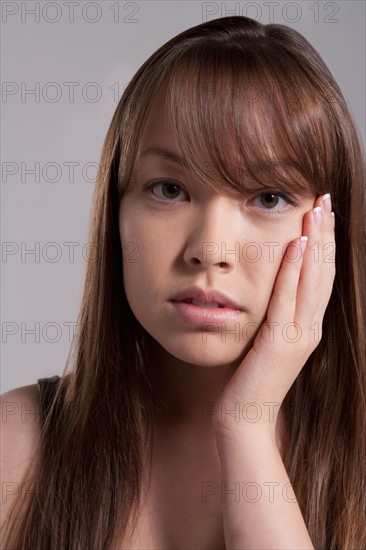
(213, 239)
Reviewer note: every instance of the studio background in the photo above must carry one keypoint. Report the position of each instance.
(64, 66)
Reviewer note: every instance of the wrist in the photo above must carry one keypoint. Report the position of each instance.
(249, 423)
(251, 440)
(246, 438)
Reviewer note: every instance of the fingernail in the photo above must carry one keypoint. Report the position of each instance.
(303, 241)
(327, 203)
(318, 216)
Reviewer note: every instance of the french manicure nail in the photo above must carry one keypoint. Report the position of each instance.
(303, 241)
(327, 203)
(318, 216)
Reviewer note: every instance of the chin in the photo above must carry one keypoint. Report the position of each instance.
(205, 355)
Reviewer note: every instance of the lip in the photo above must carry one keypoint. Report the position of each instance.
(195, 314)
(207, 296)
(199, 315)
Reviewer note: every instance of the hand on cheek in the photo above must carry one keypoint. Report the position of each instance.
(292, 328)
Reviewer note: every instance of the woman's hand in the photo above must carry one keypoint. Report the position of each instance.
(259, 506)
(290, 333)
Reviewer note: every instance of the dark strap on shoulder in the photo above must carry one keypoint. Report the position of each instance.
(47, 388)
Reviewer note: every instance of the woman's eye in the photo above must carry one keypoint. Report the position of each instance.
(275, 203)
(165, 190)
(169, 191)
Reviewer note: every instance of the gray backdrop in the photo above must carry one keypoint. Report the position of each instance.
(64, 66)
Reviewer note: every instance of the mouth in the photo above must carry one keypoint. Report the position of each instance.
(203, 304)
(206, 299)
(200, 313)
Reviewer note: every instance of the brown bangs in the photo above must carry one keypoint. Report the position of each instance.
(249, 114)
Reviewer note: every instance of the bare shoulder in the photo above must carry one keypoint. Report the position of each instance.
(20, 437)
(20, 430)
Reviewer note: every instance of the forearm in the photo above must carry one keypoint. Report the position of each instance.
(260, 510)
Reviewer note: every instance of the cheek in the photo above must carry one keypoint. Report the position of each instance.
(266, 270)
(139, 277)
(260, 262)
(261, 256)
(136, 228)
(143, 253)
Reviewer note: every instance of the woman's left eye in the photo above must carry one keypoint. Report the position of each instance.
(270, 200)
(169, 188)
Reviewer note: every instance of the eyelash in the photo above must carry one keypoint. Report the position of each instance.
(288, 198)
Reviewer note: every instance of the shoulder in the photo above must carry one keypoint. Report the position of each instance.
(20, 438)
(20, 429)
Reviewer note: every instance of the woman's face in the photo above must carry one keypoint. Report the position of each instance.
(177, 235)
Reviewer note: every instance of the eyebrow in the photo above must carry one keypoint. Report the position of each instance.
(165, 154)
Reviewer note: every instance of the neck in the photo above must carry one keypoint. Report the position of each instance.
(185, 393)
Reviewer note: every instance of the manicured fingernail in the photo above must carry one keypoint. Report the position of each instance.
(318, 216)
(303, 241)
(327, 203)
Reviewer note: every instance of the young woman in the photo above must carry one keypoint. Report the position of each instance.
(216, 395)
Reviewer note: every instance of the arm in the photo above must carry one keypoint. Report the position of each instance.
(263, 512)
(19, 446)
(248, 450)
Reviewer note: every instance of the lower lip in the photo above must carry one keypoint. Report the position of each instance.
(198, 314)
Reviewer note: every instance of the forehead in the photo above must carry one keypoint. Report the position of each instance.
(158, 128)
(224, 144)
(158, 135)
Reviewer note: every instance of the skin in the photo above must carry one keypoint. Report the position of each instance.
(192, 373)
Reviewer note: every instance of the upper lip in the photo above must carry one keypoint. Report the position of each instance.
(207, 296)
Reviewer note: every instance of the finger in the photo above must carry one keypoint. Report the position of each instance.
(329, 252)
(310, 276)
(317, 276)
(282, 306)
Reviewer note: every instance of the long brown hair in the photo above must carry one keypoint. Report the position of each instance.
(265, 93)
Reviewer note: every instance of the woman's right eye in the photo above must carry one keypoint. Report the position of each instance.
(169, 189)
